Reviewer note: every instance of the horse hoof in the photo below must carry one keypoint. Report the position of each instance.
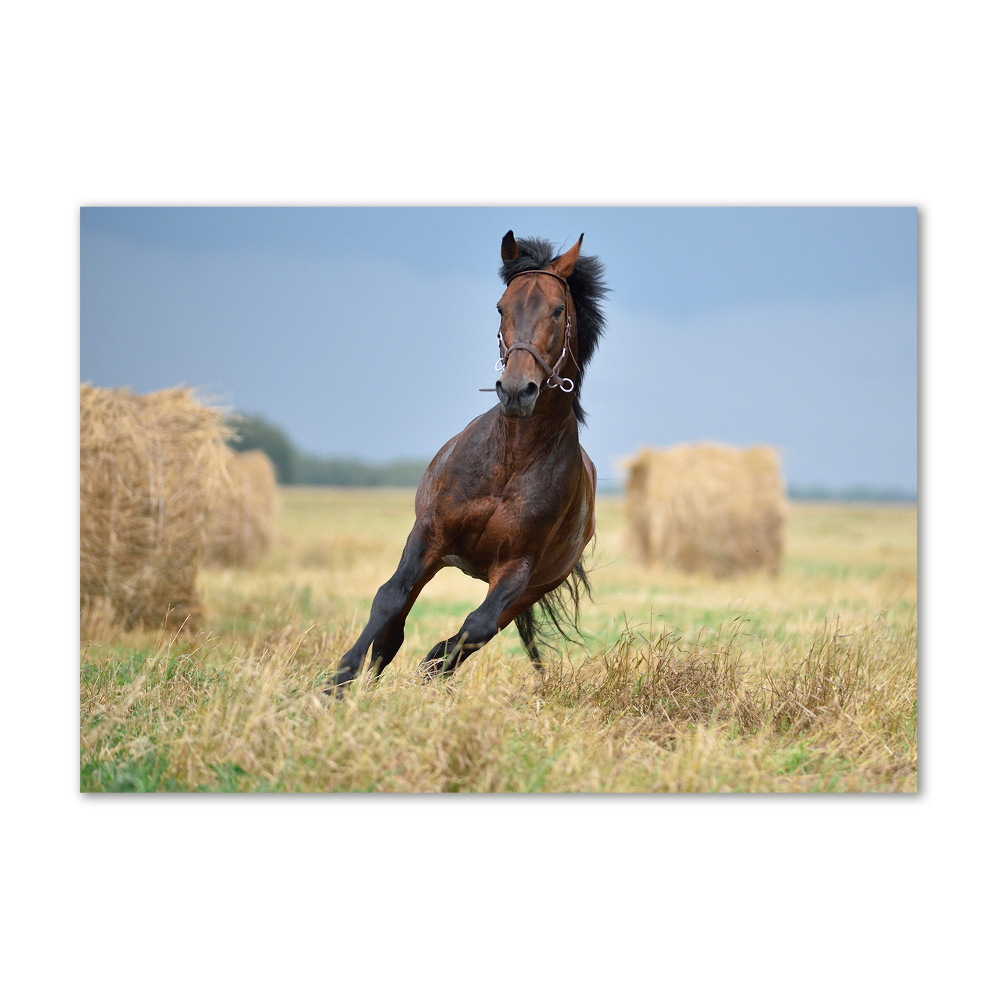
(337, 686)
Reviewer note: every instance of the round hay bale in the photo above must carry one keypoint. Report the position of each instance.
(151, 470)
(707, 508)
(241, 528)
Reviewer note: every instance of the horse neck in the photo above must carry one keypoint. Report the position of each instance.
(552, 424)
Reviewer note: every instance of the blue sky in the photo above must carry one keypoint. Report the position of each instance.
(367, 332)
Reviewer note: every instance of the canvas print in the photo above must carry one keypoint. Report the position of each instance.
(498, 500)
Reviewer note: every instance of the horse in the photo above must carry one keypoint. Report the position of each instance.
(509, 500)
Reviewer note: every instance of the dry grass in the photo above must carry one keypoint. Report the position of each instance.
(151, 470)
(644, 716)
(242, 525)
(707, 507)
(729, 685)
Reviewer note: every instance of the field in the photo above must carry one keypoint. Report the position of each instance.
(802, 682)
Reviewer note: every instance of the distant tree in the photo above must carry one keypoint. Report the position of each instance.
(255, 432)
(309, 470)
(852, 494)
(312, 471)
(404, 472)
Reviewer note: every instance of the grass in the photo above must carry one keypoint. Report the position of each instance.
(802, 682)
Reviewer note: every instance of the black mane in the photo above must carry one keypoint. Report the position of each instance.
(587, 287)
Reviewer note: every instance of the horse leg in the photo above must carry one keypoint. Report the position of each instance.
(389, 609)
(482, 624)
(388, 641)
(526, 626)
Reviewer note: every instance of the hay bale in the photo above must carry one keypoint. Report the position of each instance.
(151, 470)
(241, 528)
(707, 507)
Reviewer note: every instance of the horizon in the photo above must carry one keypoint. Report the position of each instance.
(852, 493)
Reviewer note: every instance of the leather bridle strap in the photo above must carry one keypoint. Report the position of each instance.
(523, 345)
(551, 274)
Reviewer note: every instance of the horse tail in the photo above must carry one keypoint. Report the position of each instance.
(557, 612)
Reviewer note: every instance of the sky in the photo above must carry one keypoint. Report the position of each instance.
(367, 332)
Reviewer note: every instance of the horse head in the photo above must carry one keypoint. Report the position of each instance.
(537, 335)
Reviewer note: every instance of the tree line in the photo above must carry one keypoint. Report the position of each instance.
(293, 467)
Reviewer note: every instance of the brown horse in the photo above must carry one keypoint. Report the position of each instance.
(510, 500)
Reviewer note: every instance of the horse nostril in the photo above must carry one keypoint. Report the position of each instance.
(501, 392)
(529, 392)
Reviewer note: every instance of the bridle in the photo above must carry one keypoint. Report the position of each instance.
(553, 381)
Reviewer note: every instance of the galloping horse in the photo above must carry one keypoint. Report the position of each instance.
(510, 500)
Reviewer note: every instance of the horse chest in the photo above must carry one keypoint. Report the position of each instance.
(496, 533)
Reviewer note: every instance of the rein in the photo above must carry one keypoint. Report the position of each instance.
(553, 381)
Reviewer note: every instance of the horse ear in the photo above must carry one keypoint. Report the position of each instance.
(563, 266)
(508, 248)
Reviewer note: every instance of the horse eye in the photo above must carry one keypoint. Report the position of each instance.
(559, 311)
(499, 310)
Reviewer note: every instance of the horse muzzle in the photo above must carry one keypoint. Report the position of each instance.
(517, 400)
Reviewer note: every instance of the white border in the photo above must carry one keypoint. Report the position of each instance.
(875, 103)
